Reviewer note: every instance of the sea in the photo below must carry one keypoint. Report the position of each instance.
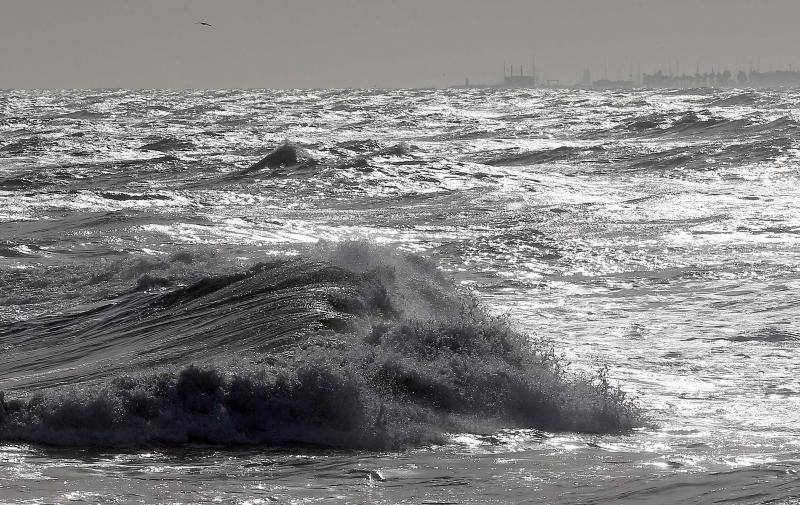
(400, 296)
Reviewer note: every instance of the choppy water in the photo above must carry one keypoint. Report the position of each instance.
(654, 232)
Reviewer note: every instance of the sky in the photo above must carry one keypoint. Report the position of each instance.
(380, 43)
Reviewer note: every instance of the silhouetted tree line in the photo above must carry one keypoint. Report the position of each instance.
(776, 79)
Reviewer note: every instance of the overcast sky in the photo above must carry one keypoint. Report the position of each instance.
(385, 43)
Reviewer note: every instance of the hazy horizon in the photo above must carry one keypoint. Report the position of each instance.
(378, 43)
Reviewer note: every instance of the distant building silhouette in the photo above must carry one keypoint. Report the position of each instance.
(510, 79)
(586, 81)
(609, 84)
(518, 81)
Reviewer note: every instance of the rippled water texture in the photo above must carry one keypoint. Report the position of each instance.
(655, 232)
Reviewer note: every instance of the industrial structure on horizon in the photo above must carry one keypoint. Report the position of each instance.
(518, 80)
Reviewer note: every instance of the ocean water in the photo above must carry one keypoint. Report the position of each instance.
(411, 296)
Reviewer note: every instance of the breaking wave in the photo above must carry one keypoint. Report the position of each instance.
(84, 115)
(738, 99)
(700, 122)
(27, 145)
(167, 145)
(769, 334)
(703, 158)
(346, 346)
(535, 157)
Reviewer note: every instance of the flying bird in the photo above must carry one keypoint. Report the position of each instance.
(204, 24)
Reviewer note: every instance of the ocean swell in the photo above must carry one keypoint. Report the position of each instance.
(347, 346)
